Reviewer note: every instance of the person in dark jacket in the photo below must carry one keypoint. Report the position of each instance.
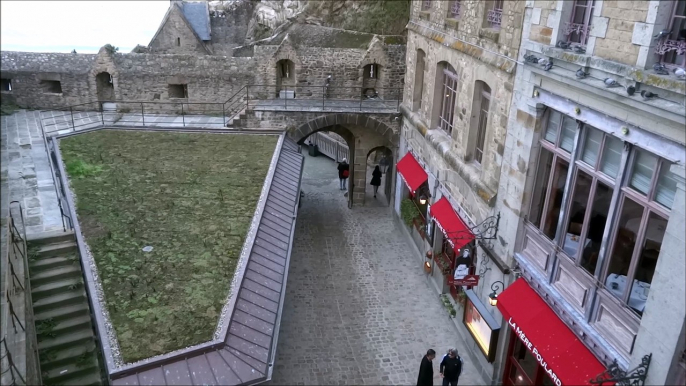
(376, 179)
(343, 173)
(450, 368)
(426, 369)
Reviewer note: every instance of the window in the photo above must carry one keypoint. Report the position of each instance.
(178, 42)
(51, 86)
(285, 68)
(580, 22)
(672, 48)
(418, 81)
(371, 71)
(6, 84)
(426, 5)
(447, 97)
(484, 105)
(454, 9)
(641, 195)
(178, 91)
(495, 13)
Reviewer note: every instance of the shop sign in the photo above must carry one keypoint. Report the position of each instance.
(534, 351)
(467, 280)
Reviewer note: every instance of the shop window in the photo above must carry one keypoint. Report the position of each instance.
(494, 13)
(418, 81)
(51, 86)
(6, 84)
(580, 23)
(178, 91)
(672, 47)
(454, 9)
(446, 96)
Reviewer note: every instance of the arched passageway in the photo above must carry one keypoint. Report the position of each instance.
(380, 156)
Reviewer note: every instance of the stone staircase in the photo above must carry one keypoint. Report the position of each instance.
(238, 120)
(66, 341)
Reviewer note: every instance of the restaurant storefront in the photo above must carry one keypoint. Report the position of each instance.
(542, 350)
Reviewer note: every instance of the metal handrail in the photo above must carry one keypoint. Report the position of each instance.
(54, 177)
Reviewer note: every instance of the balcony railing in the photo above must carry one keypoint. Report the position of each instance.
(494, 17)
(580, 29)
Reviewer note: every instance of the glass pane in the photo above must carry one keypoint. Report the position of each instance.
(552, 126)
(568, 129)
(516, 376)
(592, 146)
(647, 260)
(644, 167)
(596, 226)
(666, 186)
(555, 199)
(577, 211)
(545, 163)
(624, 243)
(526, 361)
(612, 156)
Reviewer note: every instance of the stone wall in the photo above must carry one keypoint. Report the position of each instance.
(229, 31)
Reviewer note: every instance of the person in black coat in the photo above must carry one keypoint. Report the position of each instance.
(451, 368)
(376, 179)
(426, 369)
(343, 173)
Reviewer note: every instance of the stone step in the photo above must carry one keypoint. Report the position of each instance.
(65, 373)
(92, 378)
(59, 300)
(57, 249)
(60, 357)
(47, 263)
(72, 324)
(68, 271)
(46, 238)
(63, 313)
(55, 287)
(75, 338)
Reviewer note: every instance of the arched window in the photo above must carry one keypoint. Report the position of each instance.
(446, 96)
(418, 89)
(371, 71)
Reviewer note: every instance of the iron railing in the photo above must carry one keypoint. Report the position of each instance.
(19, 362)
(324, 98)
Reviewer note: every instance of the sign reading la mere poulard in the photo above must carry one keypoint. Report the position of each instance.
(467, 280)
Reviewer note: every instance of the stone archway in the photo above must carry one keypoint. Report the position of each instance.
(104, 86)
(365, 134)
(285, 78)
(381, 156)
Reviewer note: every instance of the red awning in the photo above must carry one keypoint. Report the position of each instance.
(411, 172)
(551, 342)
(452, 226)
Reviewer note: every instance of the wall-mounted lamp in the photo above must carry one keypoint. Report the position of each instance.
(493, 297)
(427, 266)
(625, 130)
(424, 195)
(536, 93)
(577, 110)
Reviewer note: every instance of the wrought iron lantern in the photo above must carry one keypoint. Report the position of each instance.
(493, 297)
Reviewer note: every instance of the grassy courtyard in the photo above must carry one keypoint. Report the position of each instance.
(190, 197)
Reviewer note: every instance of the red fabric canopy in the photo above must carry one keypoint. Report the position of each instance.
(551, 342)
(412, 172)
(452, 226)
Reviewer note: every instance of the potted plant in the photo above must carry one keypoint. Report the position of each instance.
(408, 211)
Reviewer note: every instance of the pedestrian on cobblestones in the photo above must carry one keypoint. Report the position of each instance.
(343, 173)
(376, 179)
(451, 368)
(426, 369)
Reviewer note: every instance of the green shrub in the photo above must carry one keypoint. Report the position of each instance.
(408, 211)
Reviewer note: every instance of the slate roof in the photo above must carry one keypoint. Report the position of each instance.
(247, 354)
(198, 15)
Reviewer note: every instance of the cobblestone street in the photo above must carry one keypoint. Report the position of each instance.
(358, 308)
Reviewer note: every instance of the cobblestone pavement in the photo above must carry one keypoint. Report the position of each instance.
(358, 309)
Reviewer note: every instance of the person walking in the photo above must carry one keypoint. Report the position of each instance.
(451, 368)
(376, 179)
(343, 173)
(426, 369)
(384, 164)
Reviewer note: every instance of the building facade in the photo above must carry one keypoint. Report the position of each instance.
(574, 137)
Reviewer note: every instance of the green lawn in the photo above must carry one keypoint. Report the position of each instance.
(189, 196)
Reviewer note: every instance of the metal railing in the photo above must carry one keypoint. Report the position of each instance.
(327, 98)
(330, 147)
(19, 362)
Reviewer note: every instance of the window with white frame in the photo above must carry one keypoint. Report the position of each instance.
(494, 13)
(484, 105)
(454, 9)
(672, 47)
(448, 97)
(638, 200)
(580, 23)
